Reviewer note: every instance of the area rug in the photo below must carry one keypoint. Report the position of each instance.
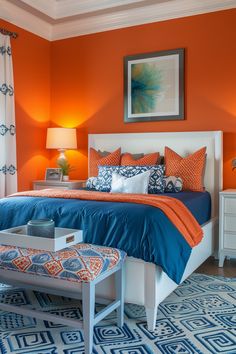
(198, 318)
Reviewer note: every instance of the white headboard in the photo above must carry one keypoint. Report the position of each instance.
(182, 142)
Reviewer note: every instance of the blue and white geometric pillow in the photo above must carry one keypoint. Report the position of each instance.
(172, 184)
(105, 177)
(155, 182)
(91, 183)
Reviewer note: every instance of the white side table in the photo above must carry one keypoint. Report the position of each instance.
(227, 224)
(73, 184)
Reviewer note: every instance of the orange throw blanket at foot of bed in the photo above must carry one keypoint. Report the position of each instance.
(173, 208)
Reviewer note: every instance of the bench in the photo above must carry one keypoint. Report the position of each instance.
(84, 264)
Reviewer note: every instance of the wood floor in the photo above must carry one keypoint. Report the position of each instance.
(210, 267)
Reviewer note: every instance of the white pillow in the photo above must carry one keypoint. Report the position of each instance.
(137, 184)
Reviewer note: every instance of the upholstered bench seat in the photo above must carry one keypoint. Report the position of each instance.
(83, 263)
(80, 263)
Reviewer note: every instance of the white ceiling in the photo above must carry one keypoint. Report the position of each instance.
(58, 19)
(57, 9)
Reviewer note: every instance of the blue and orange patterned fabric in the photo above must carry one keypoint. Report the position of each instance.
(79, 263)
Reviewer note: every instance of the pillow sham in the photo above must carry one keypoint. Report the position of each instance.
(172, 184)
(91, 183)
(134, 156)
(97, 160)
(127, 159)
(190, 169)
(137, 184)
(103, 153)
(155, 182)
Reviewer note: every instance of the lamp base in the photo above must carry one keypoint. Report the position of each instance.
(62, 155)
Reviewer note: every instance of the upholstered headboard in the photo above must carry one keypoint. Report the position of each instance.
(182, 142)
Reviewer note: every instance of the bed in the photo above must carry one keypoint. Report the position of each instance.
(146, 283)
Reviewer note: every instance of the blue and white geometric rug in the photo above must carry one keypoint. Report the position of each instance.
(198, 318)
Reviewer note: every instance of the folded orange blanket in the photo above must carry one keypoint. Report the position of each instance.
(173, 208)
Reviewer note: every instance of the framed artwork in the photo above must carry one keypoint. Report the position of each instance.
(154, 86)
(53, 174)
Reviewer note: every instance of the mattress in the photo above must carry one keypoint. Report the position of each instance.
(142, 231)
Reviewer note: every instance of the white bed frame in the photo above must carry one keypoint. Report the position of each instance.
(146, 283)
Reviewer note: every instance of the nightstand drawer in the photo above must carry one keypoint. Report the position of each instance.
(230, 205)
(71, 184)
(230, 223)
(230, 241)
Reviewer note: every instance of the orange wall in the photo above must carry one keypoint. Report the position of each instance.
(87, 80)
(31, 65)
(81, 81)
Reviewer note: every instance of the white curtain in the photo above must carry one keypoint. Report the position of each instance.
(8, 172)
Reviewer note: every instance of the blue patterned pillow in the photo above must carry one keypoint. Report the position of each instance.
(91, 183)
(172, 184)
(155, 183)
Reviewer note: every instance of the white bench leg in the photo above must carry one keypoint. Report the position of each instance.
(119, 283)
(88, 297)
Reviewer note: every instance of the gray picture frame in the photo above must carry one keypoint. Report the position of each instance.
(53, 174)
(175, 84)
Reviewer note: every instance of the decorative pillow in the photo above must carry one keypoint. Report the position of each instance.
(137, 184)
(97, 160)
(172, 184)
(91, 183)
(103, 153)
(155, 182)
(134, 156)
(147, 160)
(190, 169)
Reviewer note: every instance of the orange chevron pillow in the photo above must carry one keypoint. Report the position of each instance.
(96, 159)
(190, 168)
(149, 159)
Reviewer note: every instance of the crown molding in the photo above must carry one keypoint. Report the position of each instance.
(62, 9)
(142, 15)
(113, 20)
(47, 7)
(75, 7)
(22, 18)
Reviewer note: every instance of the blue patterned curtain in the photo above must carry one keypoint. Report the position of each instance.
(8, 173)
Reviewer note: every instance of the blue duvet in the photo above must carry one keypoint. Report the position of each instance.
(142, 231)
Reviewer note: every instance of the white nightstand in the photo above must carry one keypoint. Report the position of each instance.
(227, 240)
(73, 184)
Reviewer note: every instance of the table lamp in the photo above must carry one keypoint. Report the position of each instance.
(61, 139)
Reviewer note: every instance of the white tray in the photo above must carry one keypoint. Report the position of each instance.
(17, 236)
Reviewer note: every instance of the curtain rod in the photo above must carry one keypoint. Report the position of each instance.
(8, 33)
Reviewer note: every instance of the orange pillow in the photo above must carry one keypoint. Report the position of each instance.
(96, 159)
(190, 168)
(149, 159)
